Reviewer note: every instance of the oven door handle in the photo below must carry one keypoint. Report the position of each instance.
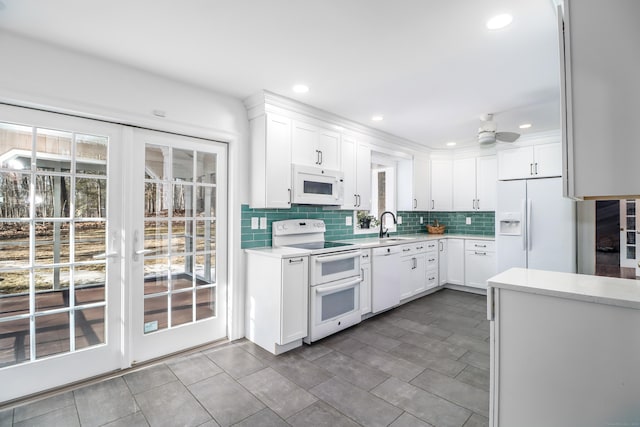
(326, 289)
(328, 258)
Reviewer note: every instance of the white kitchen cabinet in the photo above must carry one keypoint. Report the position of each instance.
(365, 285)
(486, 183)
(413, 269)
(480, 262)
(600, 99)
(270, 161)
(442, 261)
(455, 261)
(356, 165)
(441, 185)
(475, 183)
(413, 185)
(315, 146)
(277, 301)
(431, 268)
(537, 161)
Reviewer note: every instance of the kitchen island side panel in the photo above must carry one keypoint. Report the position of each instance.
(563, 362)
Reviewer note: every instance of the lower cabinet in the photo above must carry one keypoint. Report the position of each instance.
(432, 265)
(455, 262)
(365, 285)
(413, 269)
(279, 325)
(442, 261)
(480, 262)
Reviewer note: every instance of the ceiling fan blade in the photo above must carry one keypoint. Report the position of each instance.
(507, 136)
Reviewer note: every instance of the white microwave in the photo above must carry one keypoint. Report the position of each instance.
(317, 186)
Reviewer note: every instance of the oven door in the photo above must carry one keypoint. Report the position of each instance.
(334, 306)
(335, 266)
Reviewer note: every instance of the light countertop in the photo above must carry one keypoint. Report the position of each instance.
(582, 287)
(370, 242)
(280, 252)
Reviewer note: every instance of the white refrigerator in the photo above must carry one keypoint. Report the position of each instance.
(535, 226)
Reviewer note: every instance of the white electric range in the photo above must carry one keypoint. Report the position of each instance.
(334, 275)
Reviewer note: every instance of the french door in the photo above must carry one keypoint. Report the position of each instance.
(60, 253)
(112, 247)
(629, 233)
(178, 228)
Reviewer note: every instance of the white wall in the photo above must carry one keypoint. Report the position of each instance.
(44, 76)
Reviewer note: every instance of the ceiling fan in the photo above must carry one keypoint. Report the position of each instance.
(487, 133)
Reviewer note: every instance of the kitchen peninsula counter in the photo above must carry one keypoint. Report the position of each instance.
(564, 349)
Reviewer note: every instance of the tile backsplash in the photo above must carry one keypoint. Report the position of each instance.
(482, 223)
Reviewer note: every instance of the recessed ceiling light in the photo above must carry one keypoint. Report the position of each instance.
(451, 144)
(301, 88)
(377, 118)
(525, 126)
(499, 21)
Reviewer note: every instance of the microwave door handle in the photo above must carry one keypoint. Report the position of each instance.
(326, 289)
(328, 258)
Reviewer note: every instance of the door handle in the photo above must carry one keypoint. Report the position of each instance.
(529, 207)
(441, 246)
(106, 255)
(137, 252)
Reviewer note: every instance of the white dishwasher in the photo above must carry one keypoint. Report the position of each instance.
(385, 289)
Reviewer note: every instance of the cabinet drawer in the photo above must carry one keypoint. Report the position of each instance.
(432, 279)
(432, 261)
(480, 245)
(431, 245)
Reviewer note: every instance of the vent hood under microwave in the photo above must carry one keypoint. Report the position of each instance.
(317, 186)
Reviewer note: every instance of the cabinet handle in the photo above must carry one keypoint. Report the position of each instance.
(362, 274)
(431, 259)
(478, 204)
(536, 168)
(355, 200)
(431, 278)
(415, 264)
(295, 261)
(320, 157)
(359, 200)
(441, 245)
(407, 249)
(530, 168)
(415, 203)
(289, 190)
(480, 253)
(419, 247)
(480, 246)
(432, 204)
(365, 256)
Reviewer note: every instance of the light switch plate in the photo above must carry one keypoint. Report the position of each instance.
(399, 220)
(348, 220)
(468, 222)
(254, 223)
(263, 223)
(421, 220)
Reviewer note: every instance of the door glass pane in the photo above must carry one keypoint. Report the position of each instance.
(14, 342)
(631, 223)
(52, 288)
(205, 235)
(53, 196)
(90, 240)
(52, 334)
(91, 155)
(206, 167)
(205, 303)
(181, 308)
(52, 242)
(156, 273)
(156, 199)
(182, 165)
(205, 201)
(155, 314)
(337, 303)
(14, 245)
(156, 234)
(340, 266)
(14, 293)
(89, 327)
(14, 195)
(15, 146)
(183, 200)
(205, 269)
(53, 150)
(156, 162)
(89, 283)
(631, 207)
(181, 267)
(315, 187)
(91, 198)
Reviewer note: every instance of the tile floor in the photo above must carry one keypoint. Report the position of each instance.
(423, 364)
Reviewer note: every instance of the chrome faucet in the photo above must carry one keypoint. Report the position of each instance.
(384, 231)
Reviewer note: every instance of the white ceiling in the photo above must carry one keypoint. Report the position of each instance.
(431, 68)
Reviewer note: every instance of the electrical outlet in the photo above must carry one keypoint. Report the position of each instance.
(468, 222)
(254, 223)
(421, 220)
(263, 223)
(348, 220)
(399, 220)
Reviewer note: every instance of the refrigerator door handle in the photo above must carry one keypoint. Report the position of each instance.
(529, 223)
(526, 224)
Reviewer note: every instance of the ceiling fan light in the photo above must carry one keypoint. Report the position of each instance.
(499, 21)
(486, 138)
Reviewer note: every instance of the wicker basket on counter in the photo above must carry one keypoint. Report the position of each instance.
(435, 229)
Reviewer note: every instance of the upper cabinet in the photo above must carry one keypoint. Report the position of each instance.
(600, 59)
(537, 161)
(270, 161)
(474, 184)
(356, 165)
(315, 146)
(441, 185)
(413, 185)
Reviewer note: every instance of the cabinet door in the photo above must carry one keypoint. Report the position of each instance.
(365, 289)
(547, 160)
(278, 162)
(486, 183)
(329, 147)
(348, 162)
(455, 262)
(479, 267)
(419, 274)
(405, 276)
(363, 176)
(421, 194)
(295, 299)
(304, 148)
(442, 261)
(441, 185)
(464, 184)
(515, 163)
